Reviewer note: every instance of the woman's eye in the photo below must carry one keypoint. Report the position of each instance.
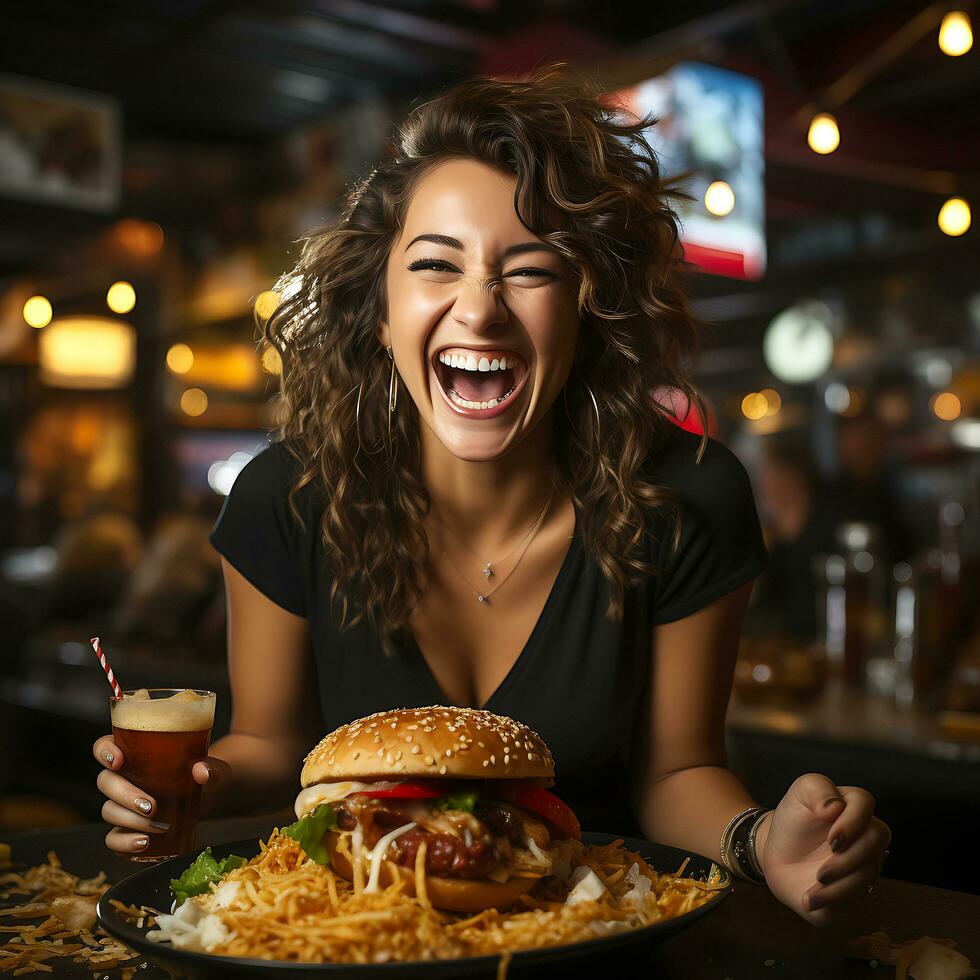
(431, 264)
(530, 272)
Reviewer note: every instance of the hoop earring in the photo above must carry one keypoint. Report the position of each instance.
(392, 391)
(571, 424)
(357, 424)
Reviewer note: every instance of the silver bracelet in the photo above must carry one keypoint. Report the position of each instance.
(729, 831)
(753, 854)
(736, 853)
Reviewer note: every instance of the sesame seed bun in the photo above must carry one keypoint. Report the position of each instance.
(450, 894)
(459, 743)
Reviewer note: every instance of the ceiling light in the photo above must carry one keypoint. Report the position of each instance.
(955, 34)
(824, 134)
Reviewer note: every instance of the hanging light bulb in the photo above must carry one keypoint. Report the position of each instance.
(37, 312)
(954, 217)
(719, 198)
(823, 135)
(955, 34)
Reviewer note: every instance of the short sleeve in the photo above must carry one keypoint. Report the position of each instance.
(257, 532)
(721, 545)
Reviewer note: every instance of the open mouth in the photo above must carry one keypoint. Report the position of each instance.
(475, 392)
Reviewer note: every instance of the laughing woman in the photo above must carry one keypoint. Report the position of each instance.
(475, 500)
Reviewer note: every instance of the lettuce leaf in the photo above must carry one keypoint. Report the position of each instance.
(205, 869)
(308, 832)
(459, 801)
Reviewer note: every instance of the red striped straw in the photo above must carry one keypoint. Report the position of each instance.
(97, 647)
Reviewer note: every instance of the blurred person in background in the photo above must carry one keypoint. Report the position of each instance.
(800, 521)
(96, 555)
(173, 587)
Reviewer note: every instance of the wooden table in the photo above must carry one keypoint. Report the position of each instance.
(750, 935)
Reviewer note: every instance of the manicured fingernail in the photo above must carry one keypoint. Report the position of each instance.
(831, 800)
(816, 902)
(159, 825)
(837, 843)
(140, 843)
(109, 757)
(144, 805)
(825, 879)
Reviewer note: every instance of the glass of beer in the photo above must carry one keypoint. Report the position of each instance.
(162, 732)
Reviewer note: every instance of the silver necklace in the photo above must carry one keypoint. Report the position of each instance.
(487, 570)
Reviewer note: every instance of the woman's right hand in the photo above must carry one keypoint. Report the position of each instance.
(129, 810)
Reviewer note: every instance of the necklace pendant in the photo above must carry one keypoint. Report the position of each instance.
(482, 598)
(487, 571)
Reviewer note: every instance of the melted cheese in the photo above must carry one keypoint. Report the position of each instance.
(377, 854)
(311, 797)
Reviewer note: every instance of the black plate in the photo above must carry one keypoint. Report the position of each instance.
(151, 886)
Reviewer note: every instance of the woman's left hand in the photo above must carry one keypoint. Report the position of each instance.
(822, 847)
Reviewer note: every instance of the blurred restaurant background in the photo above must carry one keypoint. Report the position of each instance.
(158, 167)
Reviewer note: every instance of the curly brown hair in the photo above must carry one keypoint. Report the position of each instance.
(588, 183)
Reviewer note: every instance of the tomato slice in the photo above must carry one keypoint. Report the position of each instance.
(539, 801)
(412, 789)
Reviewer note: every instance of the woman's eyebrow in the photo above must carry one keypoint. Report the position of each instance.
(451, 242)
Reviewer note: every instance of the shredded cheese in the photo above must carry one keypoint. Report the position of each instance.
(377, 854)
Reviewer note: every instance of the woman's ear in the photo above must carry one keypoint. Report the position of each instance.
(383, 333)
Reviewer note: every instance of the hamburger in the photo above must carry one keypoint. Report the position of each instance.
(470, 785)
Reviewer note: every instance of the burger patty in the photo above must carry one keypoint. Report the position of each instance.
(445, 856)
(493, 830)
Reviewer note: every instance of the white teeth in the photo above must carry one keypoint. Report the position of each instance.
(470, 363)
(483, 406)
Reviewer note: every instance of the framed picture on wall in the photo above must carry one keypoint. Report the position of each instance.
(59, 145)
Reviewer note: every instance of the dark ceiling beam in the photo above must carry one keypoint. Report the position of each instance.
(402, 24)
(375, 53)
(655, 54)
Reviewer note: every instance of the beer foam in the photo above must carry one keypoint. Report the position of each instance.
(185, 711)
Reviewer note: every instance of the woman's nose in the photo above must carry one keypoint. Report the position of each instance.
(479, 303)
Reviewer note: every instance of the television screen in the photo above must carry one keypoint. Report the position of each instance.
(711, 129)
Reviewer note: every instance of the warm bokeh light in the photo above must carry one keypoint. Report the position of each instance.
(121, 297)
(266, 304)
(87, 352)
(229, 367)
(37, 312)
(142, 239)
(954, 217)
(180, 358)
(955, 34)
(755, 405)
(271, 361)
(194, 402)
(856, 400)
(719, 198)
(946, 406)
(823, 135)
(773, 401)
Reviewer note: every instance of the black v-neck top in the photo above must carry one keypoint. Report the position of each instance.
(581, 681)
